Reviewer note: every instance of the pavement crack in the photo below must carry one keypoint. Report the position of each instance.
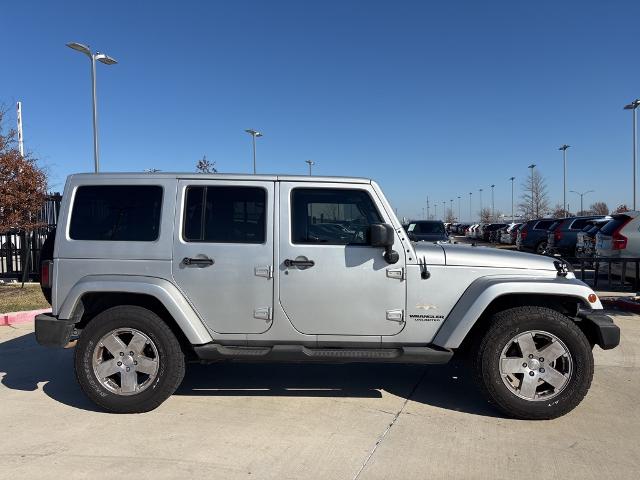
(393, 421)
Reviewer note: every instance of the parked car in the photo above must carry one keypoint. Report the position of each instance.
(620, 238)
(563, 234)
(532, 237)
(508, 235)
(149, 271)
(586, 239)
(488, 233)
(470, 231)
(427, 231)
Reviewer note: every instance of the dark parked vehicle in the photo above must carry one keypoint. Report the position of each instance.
(532, 237)
(586, 239)
(488, 232)
(427, 231)
(563, 234)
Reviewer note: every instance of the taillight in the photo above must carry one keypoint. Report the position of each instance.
(523, 233)
(619, 241)
(46, 269)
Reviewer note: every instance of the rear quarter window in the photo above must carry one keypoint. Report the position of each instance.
(543, 224)
(611, 226)
(116, 213)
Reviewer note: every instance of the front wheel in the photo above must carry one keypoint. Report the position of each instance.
(128, 360)
(533, 363)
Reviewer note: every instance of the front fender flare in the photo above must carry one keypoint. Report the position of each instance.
(485, 290)
(163, 290)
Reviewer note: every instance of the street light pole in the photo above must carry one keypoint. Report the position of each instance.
(254, 134)
(564, 179)
(633, 106)
(428, 212)
(493, 205)
(435, 211)
(444, 211)
(470, 208)
(459, 210)
(512, 217)
(480, 190)
(107, 60)
(533, 214)
(310, 163)
(581, 196)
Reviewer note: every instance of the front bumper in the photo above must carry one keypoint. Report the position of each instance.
(52, 332)
(600, 327)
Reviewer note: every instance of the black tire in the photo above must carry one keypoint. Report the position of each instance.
(171, 359)
(541, 247)
(503, 327)
(46, 253)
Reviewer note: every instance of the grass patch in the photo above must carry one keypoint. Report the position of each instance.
(15, 299)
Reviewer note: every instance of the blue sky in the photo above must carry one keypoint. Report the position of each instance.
(428, 98)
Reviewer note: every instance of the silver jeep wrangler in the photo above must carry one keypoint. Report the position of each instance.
(150, 271)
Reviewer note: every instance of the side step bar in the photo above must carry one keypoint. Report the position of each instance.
(211, 352)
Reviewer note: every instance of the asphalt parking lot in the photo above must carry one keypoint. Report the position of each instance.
(312, 421)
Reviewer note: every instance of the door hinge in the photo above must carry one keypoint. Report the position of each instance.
(266, 272)
(395, 316)
(397, 273)
(262, 313)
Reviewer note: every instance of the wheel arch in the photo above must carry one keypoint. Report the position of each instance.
(94, 294)
(487, 296)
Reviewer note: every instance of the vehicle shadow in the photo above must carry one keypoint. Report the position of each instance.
(24, 366)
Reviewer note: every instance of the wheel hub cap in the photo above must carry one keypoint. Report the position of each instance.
(536, 365)
(125, 361)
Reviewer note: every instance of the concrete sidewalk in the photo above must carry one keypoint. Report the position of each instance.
(312, 421)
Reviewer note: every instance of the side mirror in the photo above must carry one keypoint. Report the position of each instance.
(382, 235)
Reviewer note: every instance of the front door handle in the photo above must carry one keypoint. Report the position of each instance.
(299, 263)
(198, 262)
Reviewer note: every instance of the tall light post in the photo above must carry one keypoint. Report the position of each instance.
(254, 134)
(435, 211)
(107, 60)
(493, 210)
(564, 178)
(633, 106)
(533, 214)
(581, 197)
(512, 217)
(470, 208)
(444, 211)
(428, 212)
(451, 208)
(459, 210)
(308, 162)
(480, 190)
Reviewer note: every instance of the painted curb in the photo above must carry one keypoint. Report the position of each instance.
(27, 316)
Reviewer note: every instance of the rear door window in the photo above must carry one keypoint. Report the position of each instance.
(225, 214)
(116, 213)
(579, 223)
(543, 224)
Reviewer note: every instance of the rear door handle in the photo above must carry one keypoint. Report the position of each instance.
(299, 263)
(198, 262)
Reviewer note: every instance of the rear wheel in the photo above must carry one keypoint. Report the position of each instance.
(128, 360)
(541, 247)
(534, 363)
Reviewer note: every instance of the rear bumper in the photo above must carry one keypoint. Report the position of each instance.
(600, 327)
(52, 332)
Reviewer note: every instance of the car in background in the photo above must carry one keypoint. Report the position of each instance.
(508, 235)
(427, 231)
(532, 237)
(562, 235)
(489, 232)
(586, 238)
(470, 232)
(620, 238)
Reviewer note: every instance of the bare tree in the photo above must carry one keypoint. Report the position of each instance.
(206, 166)
(621, 209)
(450, 217)
(485, 215)
(23, 185)
(559, 212)
(599, 208)
(534, 201)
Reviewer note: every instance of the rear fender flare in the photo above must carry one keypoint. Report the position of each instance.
(163, 290)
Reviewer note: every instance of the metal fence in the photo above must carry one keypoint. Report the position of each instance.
(22, 249)
(612, 273)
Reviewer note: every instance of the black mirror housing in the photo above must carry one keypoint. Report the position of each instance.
(381, 235)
